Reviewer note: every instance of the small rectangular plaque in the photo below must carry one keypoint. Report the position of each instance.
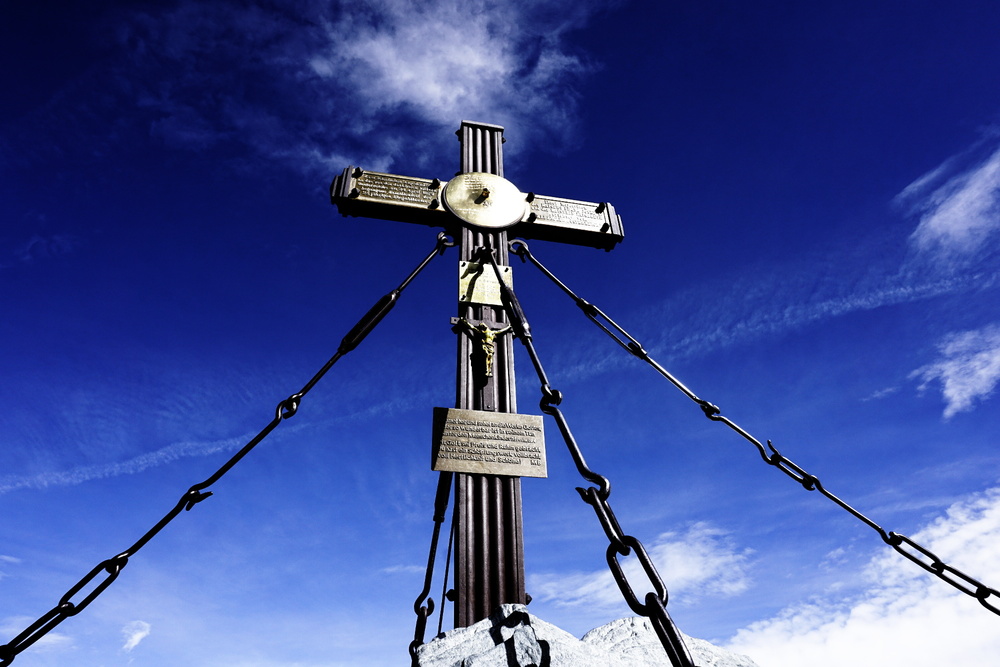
(389, 197)
(478, 283)
(488, 443)
(571, 221)
(400, 190)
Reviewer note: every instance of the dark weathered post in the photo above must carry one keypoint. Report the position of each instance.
(489, 548)
(479, 207)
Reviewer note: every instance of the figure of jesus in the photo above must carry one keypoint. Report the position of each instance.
(487, 340)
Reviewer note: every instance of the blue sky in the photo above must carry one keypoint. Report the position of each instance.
(811, 200)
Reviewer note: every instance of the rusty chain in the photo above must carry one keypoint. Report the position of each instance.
(285, 410)
(654, 604)
(423, 611)
(900, 543)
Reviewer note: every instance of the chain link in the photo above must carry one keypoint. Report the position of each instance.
(286, 409)
(901, 543)
(424, 611)
(654, 602)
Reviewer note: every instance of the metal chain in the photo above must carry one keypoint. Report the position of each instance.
(654, 604)
(446, 594)
(423, 611)
(286, 409)
(900, 543)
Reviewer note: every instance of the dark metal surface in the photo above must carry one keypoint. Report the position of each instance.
(489, 548)
(481, 205)
(900, 543)
(570, 221)
(654, 602)
(286, 409)
(423, 611)
(371, 194)
(357, 192)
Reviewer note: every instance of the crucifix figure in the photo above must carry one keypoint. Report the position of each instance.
(478, 207)
(487, 340)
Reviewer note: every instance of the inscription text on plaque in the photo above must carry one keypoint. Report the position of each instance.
(490, 443)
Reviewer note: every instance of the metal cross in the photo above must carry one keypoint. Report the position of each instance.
(481, 207)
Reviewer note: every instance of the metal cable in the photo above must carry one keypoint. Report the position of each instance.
(285, 410)
(901, 543)
(447, 567)
(423, 611)
(654, 604)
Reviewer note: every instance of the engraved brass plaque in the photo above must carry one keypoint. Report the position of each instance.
(568, 213)
(400, 190)
(488, 443)
(485, 200)
(372, 194)
(477, 199)
(477, 283)
(571, 221)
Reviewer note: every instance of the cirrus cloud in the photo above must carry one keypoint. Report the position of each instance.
(958, 205)
(904, 616)
(968, 369)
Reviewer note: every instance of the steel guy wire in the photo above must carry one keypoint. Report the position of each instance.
(194, 495)
(900, 543)
(654, 605)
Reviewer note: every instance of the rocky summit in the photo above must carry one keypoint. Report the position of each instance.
(513, 637)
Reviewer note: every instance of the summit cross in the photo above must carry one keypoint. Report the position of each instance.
(479, 208)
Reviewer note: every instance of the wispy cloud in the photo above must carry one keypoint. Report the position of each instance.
(958, 205)
(404, 569)
(134, 632)
(44, 247)
(53, 640)
(959, 210)
(81, 474)
(905, 616)
(968, 369)
(740, 309)
(327, 84)
(36, 246)
(7, 560)
(701, 561)
(880, 394)
(401, 56)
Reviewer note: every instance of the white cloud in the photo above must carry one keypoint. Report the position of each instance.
(137, 464)
(134, 633)
(905, 616)
(958, 215)
(701, 561)
(51, 641)
(374, 81)
(735, 310)
(443, 61)
(8, 560)
(968, 370)
(404, 569)
(880, 394)
(45, 247)
(450, 60)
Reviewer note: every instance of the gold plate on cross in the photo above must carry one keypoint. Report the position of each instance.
(488, 443)
(477, 283)
(485, 200)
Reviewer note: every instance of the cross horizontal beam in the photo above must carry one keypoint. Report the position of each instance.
(372, 194)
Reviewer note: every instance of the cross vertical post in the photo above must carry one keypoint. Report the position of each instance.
(489, 547)
(477, 208)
